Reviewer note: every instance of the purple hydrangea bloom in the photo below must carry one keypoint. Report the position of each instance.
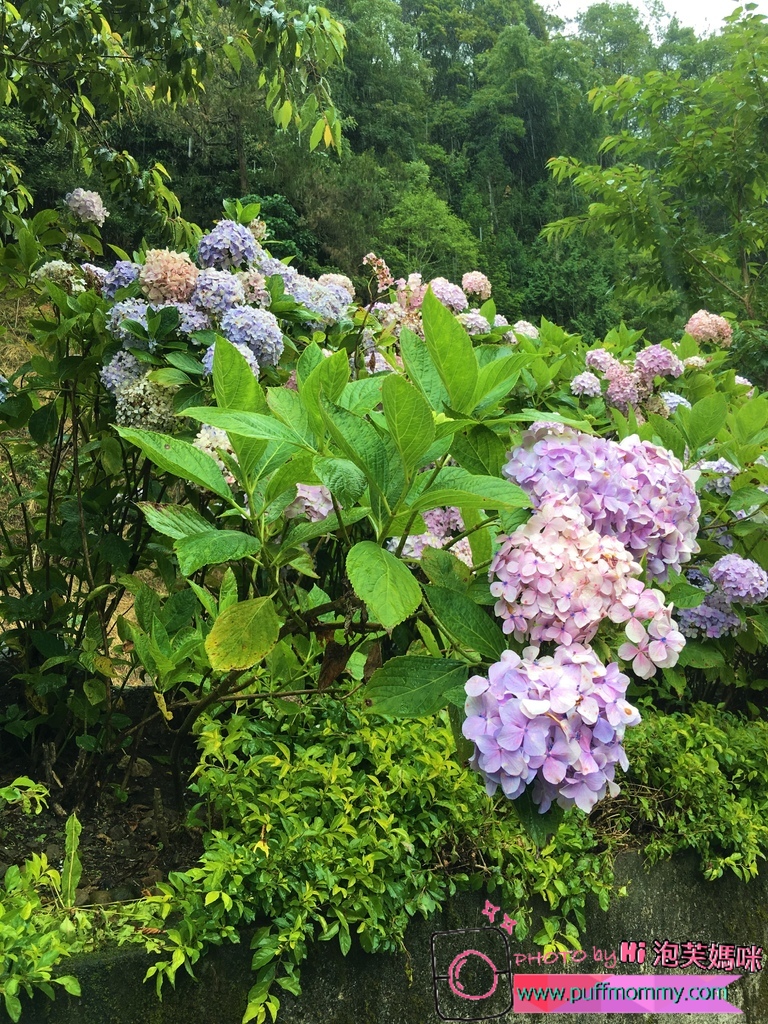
(718, 475)
(120, 276)
(474, 322)
(586, 384)
(740, 579)
(449, 294)
(121, 370)
(256, 328)
(657, 361)
(88, 206)
(714, 618)
(631, 490)
(556, 723)
(229, 244)
(217, 291)
(3, 388)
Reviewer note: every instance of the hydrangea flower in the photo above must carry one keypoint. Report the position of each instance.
(673, 401)
(442, 524)
(313, 501)
(120, 276)
(88, 206)
(624, 387)
(94, 276)
(145, 404)
(167, 276)
(212, 441)
(475, 283)
(695, 363)
(229, 244)
(657, 361)
(474, 322)
(745, 383)
(328, 301)
(256, 328)
(3, 388)
(586, 384)
(123, 369)
(254, 286)
(449, 294)
(526, 328)
(631, 490)
(714, 618)
(339, 281)
(556, 723)
(217, 291)
(740, 579)
(718, 475)
(704, 326)
(410, 292)
(59, 272)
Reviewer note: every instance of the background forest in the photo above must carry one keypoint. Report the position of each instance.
(450, 111)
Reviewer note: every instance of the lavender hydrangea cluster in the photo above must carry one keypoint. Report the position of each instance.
(449, 294)
(474, 322)
(313, 501)
(217, 291)
(555, 723)
(229, 244)
(632, 384)
(586, 384)
(657, 361)
(257, 329)
(88, 206)
(191, 318)
(328, 301)
(673, 401)
(740, 579)
(718, 475)
(121, 275)
(714, 618)
(122, 369)
(631, 490)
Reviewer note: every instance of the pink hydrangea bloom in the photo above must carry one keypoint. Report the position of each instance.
(475, 283)
(167, 276)
(704, 326)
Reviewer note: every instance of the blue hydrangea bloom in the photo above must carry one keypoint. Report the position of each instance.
(120, 276)
(217, 291)
(256, 328)
(229, 244)
(123, 369)
(128, 309)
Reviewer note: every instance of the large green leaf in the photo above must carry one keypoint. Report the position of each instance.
(422, 370)
(383, 582)
(242, 635)
(412, 686)
(451, 350)
(248, 424)
(455, 486)
(359, 441)
(480, 451)
(463, 620)
(342, 478)
(706, 419)
(212, 548)
(328, 379)
(236, 388)
(180, 458)
(409, 419)
(72, 869)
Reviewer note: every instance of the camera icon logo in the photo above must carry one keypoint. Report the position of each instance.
(471, 974)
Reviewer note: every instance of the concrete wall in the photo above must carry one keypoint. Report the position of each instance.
(671, 902)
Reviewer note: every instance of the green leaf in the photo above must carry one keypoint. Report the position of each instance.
(212, 548)
(27, 247)
(342, 478)
(455, 486)
(414, 686)
(248, 424)
(480, 451)
(497, 378)
(180, 458)
(234, 383)
(328, 379)
(43, 423)
(69, 983)
(359, 441)
(72, 869)
(699, 655)
(464, 747)
(177, 521)
(422, 370)
(242, 635)
(409, 419)
(706, 419)
(465, 622)
(451, 350)
(309, 531)
(444, 569)
(383, 582)
(746, 497)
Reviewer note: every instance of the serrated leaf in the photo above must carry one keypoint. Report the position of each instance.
(180, 458)
(413, 687)
(409, 419)
(383, 582)
(212, 548)
(242, 635)
(462, 619)
(451, 351)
